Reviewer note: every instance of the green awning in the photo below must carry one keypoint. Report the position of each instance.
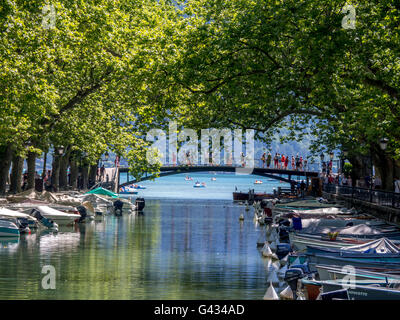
(103, 192)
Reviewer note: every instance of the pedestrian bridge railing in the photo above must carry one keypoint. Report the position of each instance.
(379, 197)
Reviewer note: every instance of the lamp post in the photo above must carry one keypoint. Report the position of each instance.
(383, 143)
(322, 159)
(331, 156)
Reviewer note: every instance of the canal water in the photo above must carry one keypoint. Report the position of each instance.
(179, 249)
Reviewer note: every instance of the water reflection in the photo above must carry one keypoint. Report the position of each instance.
(175, 251)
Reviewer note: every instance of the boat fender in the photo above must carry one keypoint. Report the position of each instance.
(286, 294)
(266, 251)
(271, 293)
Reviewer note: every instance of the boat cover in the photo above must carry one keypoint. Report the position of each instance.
(103, 192)
(382, 245)
(312, 225)
(10, 213)
(356, 230)
(50, 211)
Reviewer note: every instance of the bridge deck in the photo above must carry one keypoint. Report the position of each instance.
(267, 172)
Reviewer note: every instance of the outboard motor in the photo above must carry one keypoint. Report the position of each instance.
(283, 249)
(140, 204)
(118, 204)
(267, 220)
(283, 230)
(292, 277)
(83, 212)
(22, 224)
(46, 222)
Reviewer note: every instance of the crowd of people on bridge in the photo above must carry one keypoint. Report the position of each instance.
(279, 161)
(285, 162)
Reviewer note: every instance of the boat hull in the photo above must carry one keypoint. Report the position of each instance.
(8, 229)
(314, 260)
(362, 292)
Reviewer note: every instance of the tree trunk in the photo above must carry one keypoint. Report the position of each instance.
(384, 168)
(44, 165)
(74, 174)
(64, 163)
(5, 163)
(361, 168)
(31, 163)
(85, 174)
(55, 173)
(93, 174)
(16, 174)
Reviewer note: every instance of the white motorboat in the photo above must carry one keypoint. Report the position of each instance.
(61, 218)
(8, 229)
(11, 214)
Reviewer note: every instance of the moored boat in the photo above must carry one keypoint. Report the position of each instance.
(128, 190)
(8, 229)
(199, 185)
(11, 214)
(61, 218)
(357, 290)
(378, 250)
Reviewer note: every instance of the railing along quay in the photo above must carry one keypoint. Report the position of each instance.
(379, 197)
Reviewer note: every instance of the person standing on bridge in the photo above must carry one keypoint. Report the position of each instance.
(242, 158)
(293, 163)
(276, 161)
(263, 159)
(269, 158)
(297, 159)
(286, 162)
(283, 162)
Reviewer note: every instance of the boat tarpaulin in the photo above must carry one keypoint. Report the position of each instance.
(103, 192)
(382, 245)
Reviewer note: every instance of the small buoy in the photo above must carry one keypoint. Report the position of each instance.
(271, 293)
(286, 294)
(241, 217)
